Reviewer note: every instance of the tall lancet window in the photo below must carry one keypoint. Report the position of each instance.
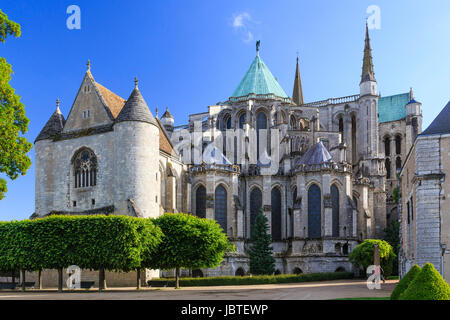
(220, 207)
(261, 123)
(85, 168)
(314, 212)
(335, 210)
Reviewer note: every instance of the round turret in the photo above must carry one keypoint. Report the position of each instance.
(167, 121)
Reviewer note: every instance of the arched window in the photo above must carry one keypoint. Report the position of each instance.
(341, 127)
(353, 139)
(240, 272)
(387, 146)
(398, 163)
(261, 123)
(293, 123)
(276, 214)
(294, 195)
(398, 144)
(297, 270)
(200, 202)
(242, 120)
(387, 164)
(335, 210)
(255, 205)
(226, 122)
(220, 207)
(85, 168)
(314, 212)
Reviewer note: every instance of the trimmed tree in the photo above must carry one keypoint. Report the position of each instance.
(427, 285)
(405, 281)
(362, 255)
(260, 251)
(13, 122)
(188, 242)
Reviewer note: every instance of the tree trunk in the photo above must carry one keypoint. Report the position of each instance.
(101, 280)
(138, 279)
(13, 278)
(177, 278)
(60, 279)
(23, 279)
(40, 279)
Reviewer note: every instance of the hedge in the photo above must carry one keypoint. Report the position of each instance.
(405, 281)
(427, 285)
(249, 280)
(116, 243)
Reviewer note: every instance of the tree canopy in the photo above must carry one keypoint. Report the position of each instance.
(13, 122)
(362, 255)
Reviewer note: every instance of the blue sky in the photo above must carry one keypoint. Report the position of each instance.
(191, 54)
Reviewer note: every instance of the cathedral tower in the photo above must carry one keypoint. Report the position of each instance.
(137, 183)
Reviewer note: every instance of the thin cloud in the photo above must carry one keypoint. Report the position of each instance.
(242, 23)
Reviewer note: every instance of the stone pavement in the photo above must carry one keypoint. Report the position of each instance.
(293, 291)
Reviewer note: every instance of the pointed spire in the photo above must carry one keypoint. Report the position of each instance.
(297, 94)
(54, 125)
(367, 68)
(88, 65)
(135, 109)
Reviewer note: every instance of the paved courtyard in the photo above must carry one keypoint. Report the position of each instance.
(295, 291)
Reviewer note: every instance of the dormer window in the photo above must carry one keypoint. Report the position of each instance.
(86, 114)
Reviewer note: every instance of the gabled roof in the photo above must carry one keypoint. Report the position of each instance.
(392, 108)
(53, 126)
(259, 80)
(136, 109)
(316, 154)
(441, 124)
(112, 100)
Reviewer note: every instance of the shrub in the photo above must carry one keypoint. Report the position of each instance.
(362, 255)
(258, 279)
(427, 285)
(405, 281)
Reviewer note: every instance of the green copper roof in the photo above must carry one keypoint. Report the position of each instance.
(259, 80)
(392, 108)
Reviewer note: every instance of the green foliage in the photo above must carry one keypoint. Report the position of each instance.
(259, 279)
(90, 242)
(396, 195)
(362, 255)
(8, 27)
(13, 122)
(391, 235)
(188, 242)
(427, 285)
(260, 251)
(405, 281)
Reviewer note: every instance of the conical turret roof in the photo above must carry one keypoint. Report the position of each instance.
(317, 154)
(297, 94)
(136, 109)
(259, 80)
(53, 126)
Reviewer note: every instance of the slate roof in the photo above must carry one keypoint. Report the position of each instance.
(441, 124)
(167, 114)
(392, 108)
(316, 154)
(259, 80)
(136, 109)
(53, 126)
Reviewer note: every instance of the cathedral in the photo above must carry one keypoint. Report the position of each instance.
(324, 173)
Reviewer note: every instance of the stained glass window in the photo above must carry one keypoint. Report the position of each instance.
(200, 202)
(255, 205)
(335, 210)
(220, 207)
(314, 212)
(85, 168)
(276, 214)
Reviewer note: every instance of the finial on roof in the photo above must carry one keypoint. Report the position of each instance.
(136, 82)
(411, 94)
(88, 65)
(57, 106)
(157, 111)
(258, 43)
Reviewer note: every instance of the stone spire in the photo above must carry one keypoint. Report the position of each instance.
(367, 68)
(54, 125)
(297, 94)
